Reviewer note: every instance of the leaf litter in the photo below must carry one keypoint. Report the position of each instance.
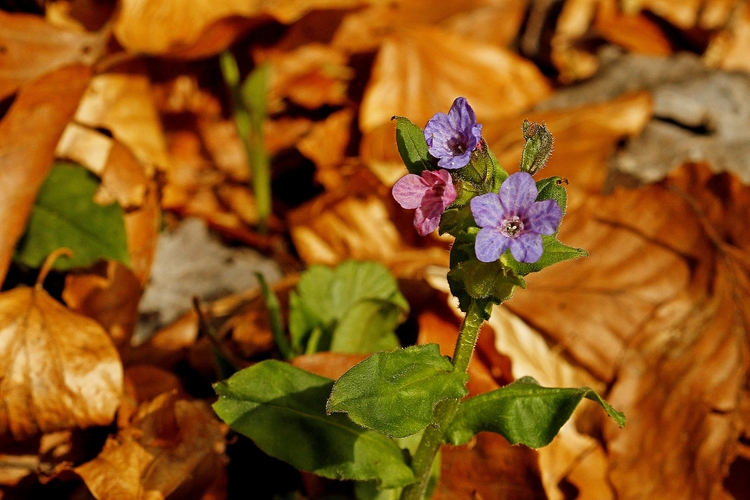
(656, 318)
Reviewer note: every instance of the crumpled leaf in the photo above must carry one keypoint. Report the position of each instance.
(28, 134)
(60, 369)
(658, 312)
(33, 47)
(171, 443)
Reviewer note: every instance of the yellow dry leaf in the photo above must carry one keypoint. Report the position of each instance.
(58, 369)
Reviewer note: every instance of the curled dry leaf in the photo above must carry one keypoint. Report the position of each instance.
(658, 310)
(28, 135)
(171, 444)
(33, 47)
(60, 369)
(728, 49)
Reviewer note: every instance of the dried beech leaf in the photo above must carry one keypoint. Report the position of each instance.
(122, 103)
(111, 299)
(166, 25)
(60, 369)
(636, 33)
(171, 444)
(420, 71)
(658, 311)
(28, 134)
(33, 47)
(327, 364)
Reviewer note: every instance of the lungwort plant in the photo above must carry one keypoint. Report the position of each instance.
(364, 425)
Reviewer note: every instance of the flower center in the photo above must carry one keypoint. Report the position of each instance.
(457, 145)
(511, 227)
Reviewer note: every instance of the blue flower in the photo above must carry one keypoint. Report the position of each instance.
(429, 193)
(514, 219)
(451, 138)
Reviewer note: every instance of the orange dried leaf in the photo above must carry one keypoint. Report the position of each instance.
(28, 135)
(420, 71)
(171, 444)
(59, 368)
(658, 311)
(33, 47)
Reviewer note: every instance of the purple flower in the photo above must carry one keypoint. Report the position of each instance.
(451, 138)
(514, 219)
(429, 193)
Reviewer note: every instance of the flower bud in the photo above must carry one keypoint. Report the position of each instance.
(538, 147)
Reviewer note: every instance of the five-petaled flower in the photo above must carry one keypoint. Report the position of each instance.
(451, 138)
(430, 193)
(514, 219)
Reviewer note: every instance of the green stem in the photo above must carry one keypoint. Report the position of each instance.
(434, 434)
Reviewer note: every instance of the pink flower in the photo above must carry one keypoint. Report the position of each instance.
(429, 193)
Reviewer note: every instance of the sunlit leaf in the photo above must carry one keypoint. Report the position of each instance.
(282, 409)
(395, 392)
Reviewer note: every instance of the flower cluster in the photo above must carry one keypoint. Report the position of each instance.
(511, 219)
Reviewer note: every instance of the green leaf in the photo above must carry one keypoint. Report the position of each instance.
(552, 189)
(65, 215)
(523, 412)
(538, 147)
(554, 252)
(394, 393)
(355, 307)
(412, 146)
(282, 409)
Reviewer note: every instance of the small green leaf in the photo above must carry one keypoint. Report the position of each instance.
(554, 252)
(412, 146)
(552, 189)
(523, 412)
(394, 393)
(282, 409)
(538, 147)
(355, 307)
(65, 215)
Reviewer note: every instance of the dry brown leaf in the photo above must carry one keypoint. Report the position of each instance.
(636, 32)
(421, 71)
(110, 297)
(33, 47)
(585, 138)
(123, 104)
(28, 135)
(327, 364)
(165, 26)
(494, 22)
(354, 222)
(326, 146)
(311, 76)
(172, 444)
(658, 310)
(728, 49)
(60, 369)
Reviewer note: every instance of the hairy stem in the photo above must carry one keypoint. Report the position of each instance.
(433, 435)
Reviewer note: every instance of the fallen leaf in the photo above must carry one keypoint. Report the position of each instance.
(28, 134)
(327, 364)
(122, 103)
(326, 146)
(111, 298)
(165, 25)
(33, 47)
(635, 32)
(171, 444)
(409, 65)
(60, 369)
(727, 48)
(657, 311)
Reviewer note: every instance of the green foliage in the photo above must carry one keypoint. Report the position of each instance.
(395, 393)
(554, 252)
(412, 146)
(538, 147)
(353, 308)
(523, 412)
(65, 215)
(249, 110)
(282, 409)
